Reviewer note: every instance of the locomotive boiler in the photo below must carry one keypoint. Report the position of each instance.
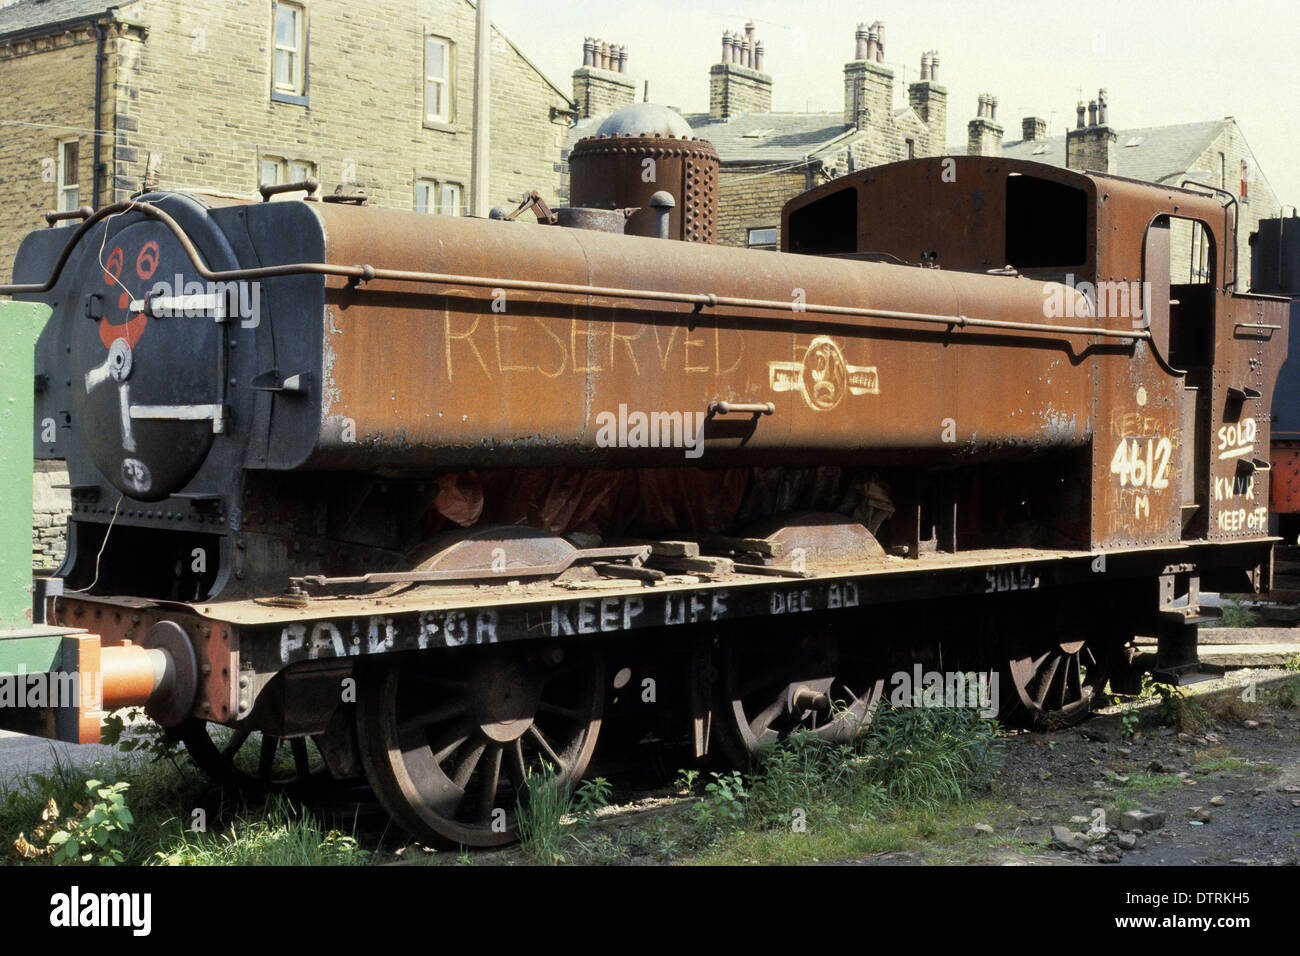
(416, 497)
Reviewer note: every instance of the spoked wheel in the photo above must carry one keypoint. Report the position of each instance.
(448, 745)
(1058, 681)
(834, 693)
(255, 762)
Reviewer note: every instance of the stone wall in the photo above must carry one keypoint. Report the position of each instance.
(50, 508)
(189, 88)
(49, 87)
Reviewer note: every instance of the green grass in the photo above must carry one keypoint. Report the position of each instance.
(1236, 614)
(285, 835)
(167, 798)
(1214, 762)
(1287, 693)
(541, 810)
(1152, 781)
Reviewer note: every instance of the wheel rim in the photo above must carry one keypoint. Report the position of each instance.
(254, 761)
(448, 750)
(1058, 685)
(834, 697)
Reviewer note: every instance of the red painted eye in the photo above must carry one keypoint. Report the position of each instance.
(113, 268)
(147, 261)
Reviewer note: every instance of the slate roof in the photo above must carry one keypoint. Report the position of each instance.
(755, 137)
(1158, 151)
(29, 14)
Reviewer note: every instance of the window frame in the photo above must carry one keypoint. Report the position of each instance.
(448, 83)
(428, 187)
(297, 96)
(459, 198)
(772, 246)
(60, 189)
(283, 166)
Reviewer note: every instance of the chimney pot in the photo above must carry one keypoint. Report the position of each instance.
(726, 45)
(925, 66)
(758, 56)
(1092, 112)
(860, 45)
(1101, 108)
(1079, 110)
(880, 41)
(934, 66)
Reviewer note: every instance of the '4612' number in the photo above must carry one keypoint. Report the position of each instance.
(1142, 463)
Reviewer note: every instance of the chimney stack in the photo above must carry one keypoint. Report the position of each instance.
(1093, 146)
(929, 101)
(738, 84)
(983, 134)
(601, 84)
(868, 83)
(1033, 128)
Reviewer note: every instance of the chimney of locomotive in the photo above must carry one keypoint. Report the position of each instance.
(983, 133)
(1033, 128)
(868, 83)
(738, 84)
(608, 171)
(1093, 146)
(929, 101)
(601, 85)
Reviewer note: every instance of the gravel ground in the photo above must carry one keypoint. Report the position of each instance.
(1241, 775)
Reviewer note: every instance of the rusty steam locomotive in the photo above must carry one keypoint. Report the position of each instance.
(423, 498)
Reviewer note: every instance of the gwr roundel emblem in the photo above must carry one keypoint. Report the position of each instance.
(823, 377)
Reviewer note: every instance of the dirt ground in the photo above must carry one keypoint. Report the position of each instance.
(1228, 791)
(1242, 773)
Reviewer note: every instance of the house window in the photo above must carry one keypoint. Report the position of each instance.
(1223, 170)
(764, 238)
(911, 149)
(272, 170)
(437, 80)
(289, 53)
(440, 197)
(69, 180)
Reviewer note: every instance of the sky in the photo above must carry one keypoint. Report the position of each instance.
(1161, 62)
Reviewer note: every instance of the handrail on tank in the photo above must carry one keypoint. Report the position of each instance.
(367, 273)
